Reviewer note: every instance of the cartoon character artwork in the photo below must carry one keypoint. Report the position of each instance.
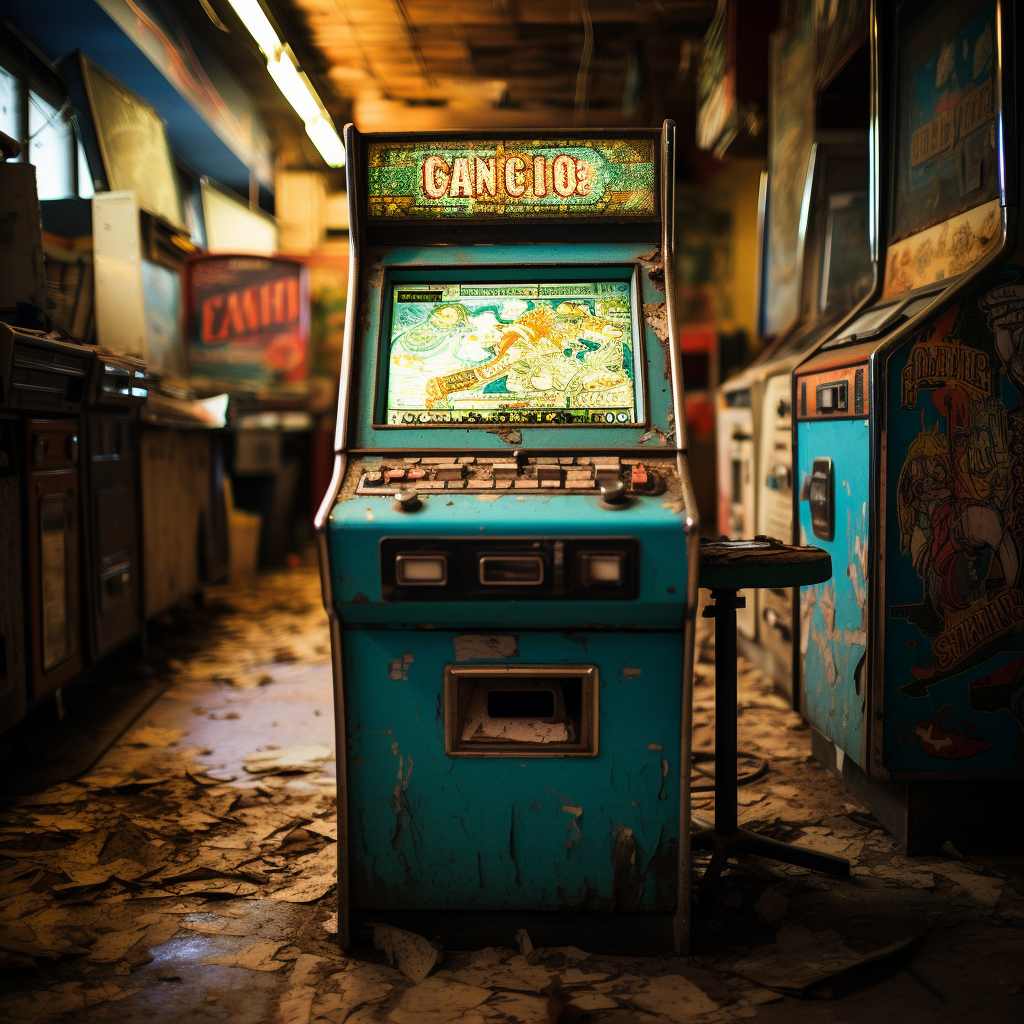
(959, 517)
(949, 740)
(958, 540)
(564, 350)
(534, 358)
(1004, 311)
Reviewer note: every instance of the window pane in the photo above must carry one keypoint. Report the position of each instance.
(49, 148)
(9, 104)
(85, 186)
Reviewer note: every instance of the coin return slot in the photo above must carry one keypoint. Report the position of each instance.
(520, 711)
(421, 570)
(832, 397)
(511, 570)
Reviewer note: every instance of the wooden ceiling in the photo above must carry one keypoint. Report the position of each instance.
(403, 65)
(407, 64)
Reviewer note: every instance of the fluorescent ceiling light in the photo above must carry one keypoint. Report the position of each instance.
(258, 24)
(295, 89)
(328, 145)
(293, 84)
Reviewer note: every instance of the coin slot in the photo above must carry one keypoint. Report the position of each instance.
(832, 397)
(511, 570)
(821, 495)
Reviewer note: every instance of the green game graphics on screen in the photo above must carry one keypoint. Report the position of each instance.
(543, 353)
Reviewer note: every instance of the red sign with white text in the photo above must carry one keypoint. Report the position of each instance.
(248, 322)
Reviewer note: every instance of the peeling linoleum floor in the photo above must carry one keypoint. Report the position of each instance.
(188, 874)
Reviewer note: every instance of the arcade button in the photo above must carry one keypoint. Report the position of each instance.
(406, 500)
(613, 494)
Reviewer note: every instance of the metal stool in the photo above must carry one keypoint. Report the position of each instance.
(726, 567)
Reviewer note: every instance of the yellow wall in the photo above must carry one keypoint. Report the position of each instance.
(734, 275)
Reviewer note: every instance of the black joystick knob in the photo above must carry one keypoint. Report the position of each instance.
(406, 500)
(613, 493)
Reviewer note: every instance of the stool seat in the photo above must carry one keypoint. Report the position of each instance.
(761, 562)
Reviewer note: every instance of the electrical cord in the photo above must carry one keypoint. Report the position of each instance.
(698, 757)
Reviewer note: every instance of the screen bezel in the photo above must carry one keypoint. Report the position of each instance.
(509, 274)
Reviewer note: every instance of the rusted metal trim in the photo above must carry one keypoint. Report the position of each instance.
(692, 528)
(320, 523)
(668, 260)
(352, 170)
(681, 923)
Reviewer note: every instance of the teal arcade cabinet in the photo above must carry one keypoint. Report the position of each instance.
(910, 450)
(509, 542)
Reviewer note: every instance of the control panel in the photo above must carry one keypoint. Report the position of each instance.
(607, 475)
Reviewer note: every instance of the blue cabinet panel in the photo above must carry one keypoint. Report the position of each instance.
(833, 615)
(431, 831)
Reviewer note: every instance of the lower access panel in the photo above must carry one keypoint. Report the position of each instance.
(535, 771)
(834, 459)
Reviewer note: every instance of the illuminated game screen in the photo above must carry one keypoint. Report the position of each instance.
(540, 352)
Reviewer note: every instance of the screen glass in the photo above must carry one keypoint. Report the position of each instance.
(541, 352)
(946, 115)
(791, 110)
(846, 275)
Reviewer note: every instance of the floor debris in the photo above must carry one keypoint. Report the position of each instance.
(188, 870)
(801, 959)
(412, 954)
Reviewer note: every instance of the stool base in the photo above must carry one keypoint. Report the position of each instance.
(733, 844)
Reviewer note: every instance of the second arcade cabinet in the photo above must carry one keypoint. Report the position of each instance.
(910, 452)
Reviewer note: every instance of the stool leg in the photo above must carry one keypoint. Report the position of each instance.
(762, 846)
(727, 840)
(725, 710)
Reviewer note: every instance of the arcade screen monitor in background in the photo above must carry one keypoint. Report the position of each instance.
(542, 352)
(846, 273)
(946, 155)
(133, 144)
